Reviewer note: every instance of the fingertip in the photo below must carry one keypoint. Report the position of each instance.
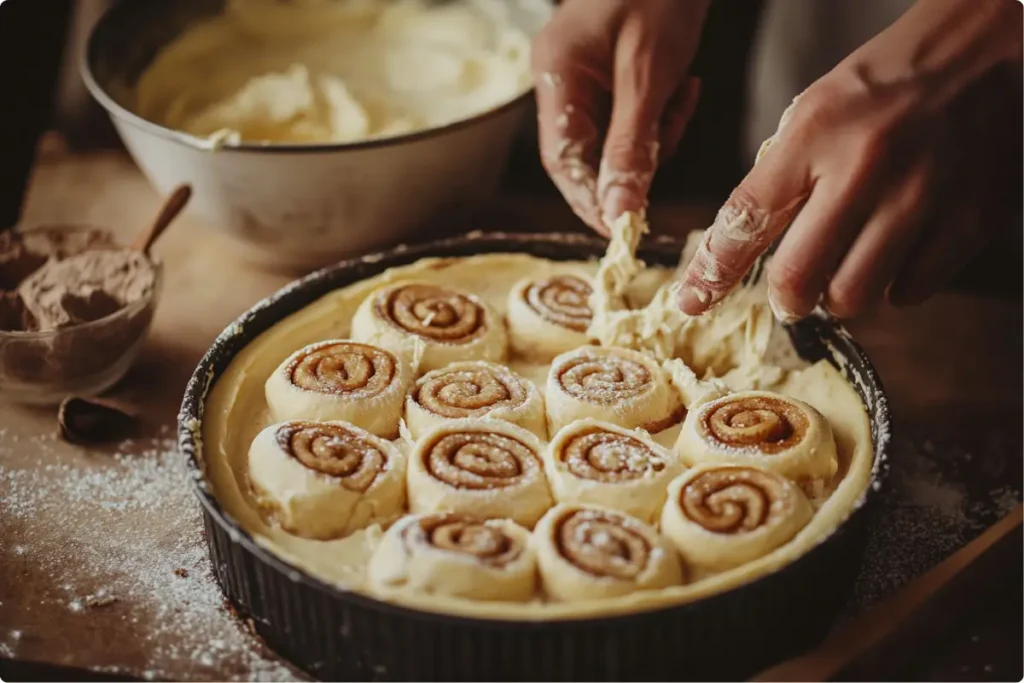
(692, 301)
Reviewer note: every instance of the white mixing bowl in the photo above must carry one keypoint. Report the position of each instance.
(299, 206)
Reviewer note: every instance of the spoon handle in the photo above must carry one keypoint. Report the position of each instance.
(168, 212)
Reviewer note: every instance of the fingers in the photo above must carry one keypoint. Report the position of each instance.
(643, 84)
(874, 260)
(757, 211)
(813, 247)
(568, 107)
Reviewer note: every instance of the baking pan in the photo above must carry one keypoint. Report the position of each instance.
(338, 635)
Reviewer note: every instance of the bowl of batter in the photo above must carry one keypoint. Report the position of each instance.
(316, 129)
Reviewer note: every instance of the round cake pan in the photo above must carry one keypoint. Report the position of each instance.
(338, 635)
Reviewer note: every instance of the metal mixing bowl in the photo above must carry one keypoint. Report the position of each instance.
(299, 205)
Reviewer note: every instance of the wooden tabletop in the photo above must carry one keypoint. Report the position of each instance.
(952, 367)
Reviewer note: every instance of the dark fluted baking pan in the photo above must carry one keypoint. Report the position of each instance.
(334, 634)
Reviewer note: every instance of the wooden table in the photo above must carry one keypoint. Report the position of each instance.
(952, 367)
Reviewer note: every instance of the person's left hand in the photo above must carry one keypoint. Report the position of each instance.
(613, 98)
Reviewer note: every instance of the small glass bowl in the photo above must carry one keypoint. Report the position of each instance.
(42, 368)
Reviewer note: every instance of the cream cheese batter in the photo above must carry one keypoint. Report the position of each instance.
(736, 344)
(321, 71)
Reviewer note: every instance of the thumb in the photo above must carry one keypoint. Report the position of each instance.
(643, 85)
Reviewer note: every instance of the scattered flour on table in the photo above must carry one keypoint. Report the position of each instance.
(938, 497)
(90, 527)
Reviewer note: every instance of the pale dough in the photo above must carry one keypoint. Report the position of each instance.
(775, 432)
(722, 516)
(322, 71)
(487, 468)
(326, 479)
(600, 463)
(621, 386)
(548, 317)
(590, 552)
(432, 325)
(474, 389)
(453, 555)
(739, 343)
(341, 380)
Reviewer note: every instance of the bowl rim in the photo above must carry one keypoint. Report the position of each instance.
(85, 67)
(203, 378)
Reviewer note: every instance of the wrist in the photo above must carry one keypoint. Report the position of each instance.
(946, 45)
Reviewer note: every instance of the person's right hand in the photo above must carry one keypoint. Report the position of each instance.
(882, 172)
(613, 98)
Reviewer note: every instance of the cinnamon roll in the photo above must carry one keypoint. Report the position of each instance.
(600, 463)
(765, 429)
(446, 325)
(721, 516)
(548, 317)
(589, 552)
(456, 555)
(341, 380)
(474, 389)
(326, 479)
(620, 386)
(486, 468)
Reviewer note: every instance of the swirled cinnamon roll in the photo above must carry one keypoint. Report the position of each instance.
(486, 468)
(341, 380)
(596, 462)
(447, 324)
(620, 386)
(326, 479)
(548, 317)
(721, 516)
(474, 389)
(761, 428)
(456, 555)
(587, 552)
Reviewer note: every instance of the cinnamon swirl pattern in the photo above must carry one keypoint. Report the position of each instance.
(474, 389)
(341, 380)
(326, 479)
(620, 386)
(456, 555)
(588, 552)
(447, 324)
(486, 468)
(722, 516)
(765, 429)
(602, 464)
(548, 317)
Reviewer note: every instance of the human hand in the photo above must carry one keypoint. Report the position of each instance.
(883, 166)
(613, 98)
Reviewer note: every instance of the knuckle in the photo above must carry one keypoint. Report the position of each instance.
(791, 280)
(845, 300)
(812, 111)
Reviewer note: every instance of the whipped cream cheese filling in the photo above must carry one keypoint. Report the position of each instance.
(320, 71)
(736, 347)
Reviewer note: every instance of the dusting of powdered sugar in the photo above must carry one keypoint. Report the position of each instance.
(119, 532)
